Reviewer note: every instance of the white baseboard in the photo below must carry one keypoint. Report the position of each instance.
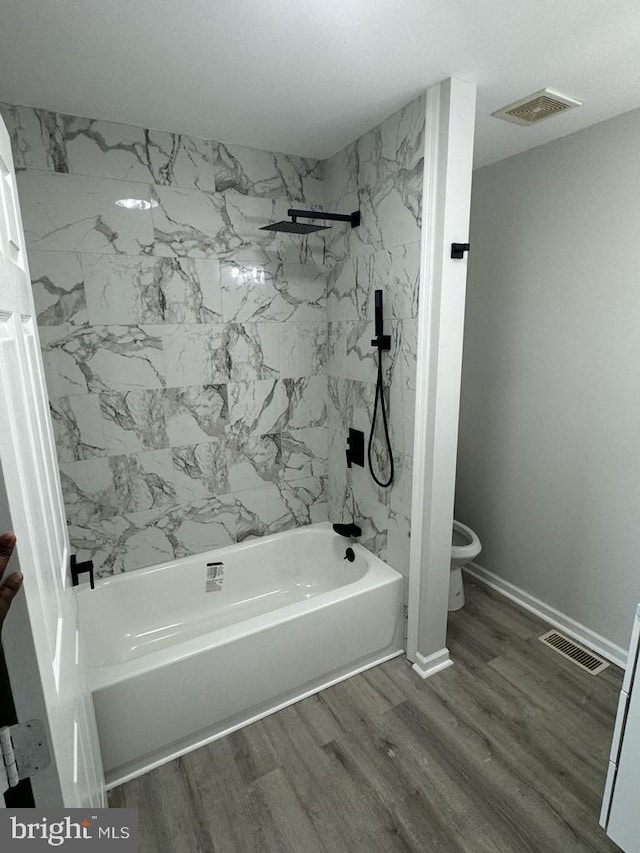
(612, 652)
(427, 666)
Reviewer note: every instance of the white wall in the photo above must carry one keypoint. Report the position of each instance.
(549, 449)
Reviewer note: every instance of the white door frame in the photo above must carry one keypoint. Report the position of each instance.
(40, 637)
(448, 163)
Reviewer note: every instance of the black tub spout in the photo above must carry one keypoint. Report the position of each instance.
(350, 530)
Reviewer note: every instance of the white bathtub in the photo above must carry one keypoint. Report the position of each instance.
(173, 666)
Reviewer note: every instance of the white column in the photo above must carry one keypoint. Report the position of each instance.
(449, 131)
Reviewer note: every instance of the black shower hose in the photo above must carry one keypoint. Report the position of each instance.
(380, 397)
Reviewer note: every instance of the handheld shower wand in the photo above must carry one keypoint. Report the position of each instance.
(381, 342)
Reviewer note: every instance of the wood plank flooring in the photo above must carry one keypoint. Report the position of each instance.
(505, 752)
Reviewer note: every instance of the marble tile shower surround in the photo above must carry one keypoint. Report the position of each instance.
(185, 349)
(381, 172)
(198, 367)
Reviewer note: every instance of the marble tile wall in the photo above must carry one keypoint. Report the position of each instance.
(381, 173)
(185, 349)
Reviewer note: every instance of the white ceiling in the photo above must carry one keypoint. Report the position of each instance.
(309, 77)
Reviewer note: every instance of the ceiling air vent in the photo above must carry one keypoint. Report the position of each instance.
(574, 652)
(537, 107)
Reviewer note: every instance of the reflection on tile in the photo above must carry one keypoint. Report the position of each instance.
(273, 291)
(58, 288)
(72, 213)
(125, 289)
(260, 173)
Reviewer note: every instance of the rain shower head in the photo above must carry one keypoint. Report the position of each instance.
(295, 227)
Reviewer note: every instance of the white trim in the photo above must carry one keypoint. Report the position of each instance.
(427, 666)
(423, 388)
(612, 652)
(448, 156)
(202, 740)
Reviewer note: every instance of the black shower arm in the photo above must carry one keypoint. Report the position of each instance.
(353, 218)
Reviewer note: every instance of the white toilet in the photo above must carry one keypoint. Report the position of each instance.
(465, 546)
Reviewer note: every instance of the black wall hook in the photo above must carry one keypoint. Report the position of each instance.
(458, 250)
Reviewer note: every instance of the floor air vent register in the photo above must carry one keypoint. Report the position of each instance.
(573, 652)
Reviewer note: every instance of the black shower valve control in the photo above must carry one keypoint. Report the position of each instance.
(355, 448)
(458, 250)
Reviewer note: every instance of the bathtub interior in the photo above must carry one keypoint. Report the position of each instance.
(127, 617)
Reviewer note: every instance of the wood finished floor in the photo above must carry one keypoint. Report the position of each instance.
(505, 752)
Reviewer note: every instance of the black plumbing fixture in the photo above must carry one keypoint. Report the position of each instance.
(350, 530)
(349, 555)
(78, 569)
(355, 448)
(458, 250)
(295, 227)
(381, 342)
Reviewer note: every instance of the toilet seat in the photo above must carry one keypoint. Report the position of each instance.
(464, 553)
